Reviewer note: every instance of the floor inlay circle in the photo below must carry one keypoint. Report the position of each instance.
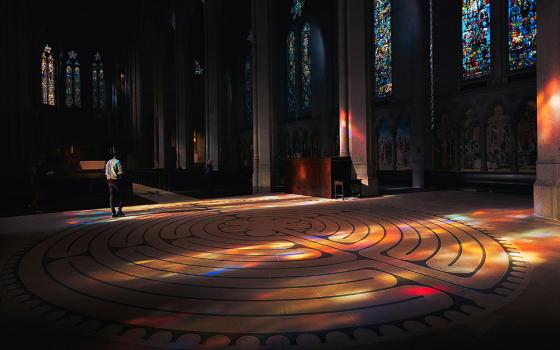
(325, 274)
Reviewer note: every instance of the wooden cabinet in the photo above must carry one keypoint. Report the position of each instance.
(315, 176)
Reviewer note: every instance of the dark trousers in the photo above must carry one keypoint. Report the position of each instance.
(116, 194)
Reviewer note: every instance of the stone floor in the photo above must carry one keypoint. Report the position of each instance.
(158, 196)
(409, 271)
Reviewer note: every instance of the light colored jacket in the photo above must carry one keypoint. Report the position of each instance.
(114, 169)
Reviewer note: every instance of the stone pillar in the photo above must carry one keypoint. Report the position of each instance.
(354, 93)
(417, 79)
(134, 76)
(20, 91)
(343, 78)
(265, 94)
(547, 186)
(182, 77)
(213, 80)
(159, 113)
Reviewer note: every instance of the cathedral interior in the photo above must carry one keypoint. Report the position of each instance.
(296, 174)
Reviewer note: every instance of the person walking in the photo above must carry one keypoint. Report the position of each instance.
(114, 172)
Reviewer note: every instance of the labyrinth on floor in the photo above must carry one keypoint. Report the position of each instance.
(286, 270)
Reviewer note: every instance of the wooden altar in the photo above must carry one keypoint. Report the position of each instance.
(316, 176)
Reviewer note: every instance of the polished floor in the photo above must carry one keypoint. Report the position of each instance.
(285, 272)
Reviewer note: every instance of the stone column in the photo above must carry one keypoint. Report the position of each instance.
(213, 80)
(20, 91)
(159, 113)
(134, 81)
(265, 94)
(354, 93)
(182, 77)
(417, 79)
(547, 186)
(343, 78)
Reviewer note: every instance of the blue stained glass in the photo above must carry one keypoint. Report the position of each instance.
(383, 49)
(306, 68)
(95, 93)
(69, 81)
(73, 83)
(77, 84)
(291, 72)
(101, 82)
(98, 82)
(297, 8)
(522, 33)
(248, 91)
(476, 38)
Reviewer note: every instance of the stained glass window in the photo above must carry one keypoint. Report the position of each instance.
(306, 68)
(248, 90)
(383, 49)
(69, 84)
(101, 82)
(197, 69)
(476, 38)
(73, 81)
(522, 33)
(291, 72)
(77, 83)
(98, 82)
(95, 85)
(47, 77)
(297, 8)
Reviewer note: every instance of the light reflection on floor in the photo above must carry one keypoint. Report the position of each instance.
(537, 238)
(284, 267)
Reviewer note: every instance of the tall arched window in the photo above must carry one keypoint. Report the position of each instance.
(248, 90)
(297, 8)
(197, 68)
(248, 82)
(306, 68)
(382, 47)
(47, 77)
(98, 81)
(73, 81)
(476, 38)
(291, 42)
(299, 68)
(522, 40)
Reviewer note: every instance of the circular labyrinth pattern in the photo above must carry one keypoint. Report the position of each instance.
(325, 274)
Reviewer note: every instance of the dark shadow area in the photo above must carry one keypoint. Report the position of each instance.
(62, 191)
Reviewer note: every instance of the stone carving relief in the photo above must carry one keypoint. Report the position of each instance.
(471, 141)
(445, 144)
(385, 147)
(498, 140)
(527, 138)
(402, 141)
